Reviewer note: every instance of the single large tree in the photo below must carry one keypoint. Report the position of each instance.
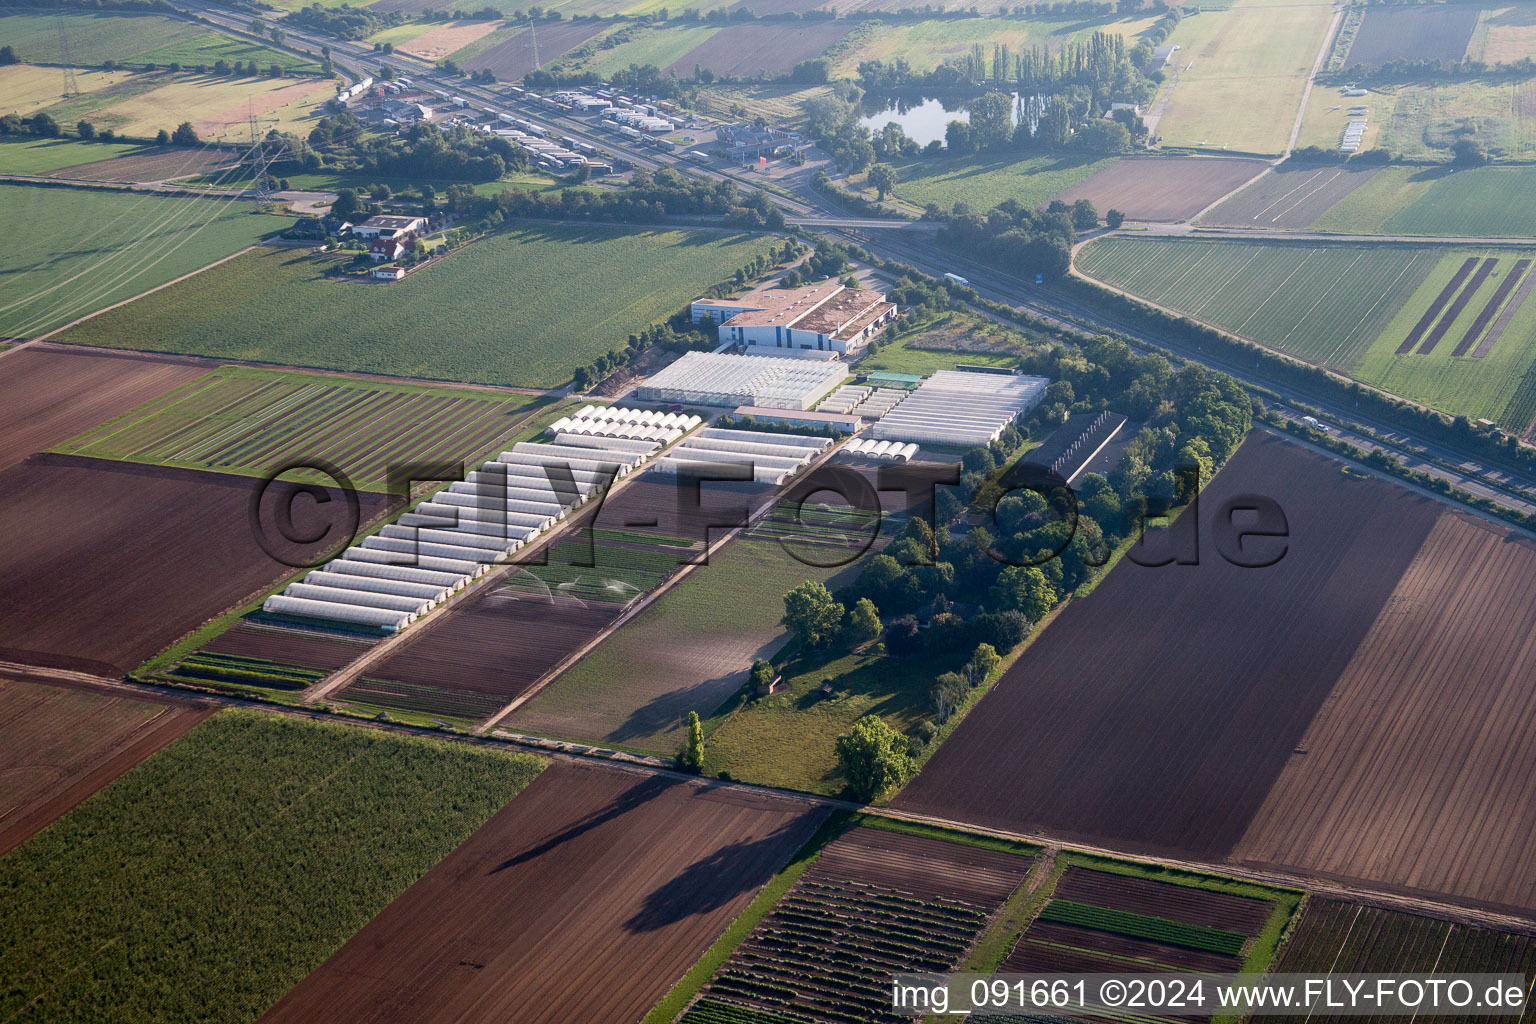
(1023, 588)
(690, 756)
(882, 177)
(812, 614)
(873, 757)
(863, 621)
(185, 135)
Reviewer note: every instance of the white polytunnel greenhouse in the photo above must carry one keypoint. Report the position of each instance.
(773, 458)
(400, 588)
(613, 444)
(452, 537)
(961, 408)
(367, 599)
(812, 442)
(350, 613)
(893, 451)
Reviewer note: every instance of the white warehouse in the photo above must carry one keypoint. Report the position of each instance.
(711, 378)
(818, 321)
(960, 408)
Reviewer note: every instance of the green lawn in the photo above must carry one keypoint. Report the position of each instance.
(982, 181)
(941, 344)
(1324, 303)
(523, 307)
(28, 155)
(1406, 200)
(1421, 120)
(211, 879)
(688, 651)
(86, 250)
(1491, 387)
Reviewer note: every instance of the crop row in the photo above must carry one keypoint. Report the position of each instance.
(429, 700)
(209, 669)
(714, 1011)
(1141, 926)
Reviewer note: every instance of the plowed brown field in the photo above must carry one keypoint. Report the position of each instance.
(107, 563)
(1159, 711)
(48, 395)
(744, 50)
(1418, 771)
(63, 743)
(1162, 188)
(584, 899)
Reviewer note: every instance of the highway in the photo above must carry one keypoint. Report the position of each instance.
(911, 242)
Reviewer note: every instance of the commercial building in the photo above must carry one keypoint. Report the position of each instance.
(385, 226)
(712, 378)
(961, 409)
(819, 321)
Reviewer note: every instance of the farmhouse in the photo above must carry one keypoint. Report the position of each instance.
(389, 227)
(383, 249)
(819, 321)
(388, 273)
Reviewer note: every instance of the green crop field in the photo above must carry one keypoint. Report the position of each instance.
(212, 878)
(30, 155)
(98, 248)
(658, 46)
(1495, 386)
(137, 38)
(501, 311)
(1325, 304)
(1250, 67)
(1405, 200)
(250, 422)
(982, 182)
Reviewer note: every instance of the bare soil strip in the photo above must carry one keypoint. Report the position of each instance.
(1435, 307)
(1502, 323)
(1500, 294)
(1456, 307)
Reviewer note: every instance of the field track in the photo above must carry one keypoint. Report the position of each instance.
(65, 742)
(1217, 717)
(107, 563)
(584, 899)
(48, 395)
(1417, 774)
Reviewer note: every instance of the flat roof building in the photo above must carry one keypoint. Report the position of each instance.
(712, 378)
(818, 321)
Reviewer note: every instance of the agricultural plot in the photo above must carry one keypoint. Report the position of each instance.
(311, 649)
(95, 39)
(32, 155)
(1322, 303)
(1226, 667)
(255, 422)
(48, 393)
(1413, 775)
(1241, 74)
(1289, 196)
(109, 563)
(153, 164)
(1162, 188)
(1106, 922)
(982, 182)
(256, 846)
(926, 44)
(480, 657)
(441, 41)
(750, 49)
(28, 88)
(1421, 121)
(1469, 202)
(449, 322)
(660, 46)
(1464, 340)
(64, 743)
(584, 899)
(512, 58)
(218, 107)
(688, 651)
(876, 902)
(103, 248)
(1347, 938)
(1439, 33)
(1504, 35)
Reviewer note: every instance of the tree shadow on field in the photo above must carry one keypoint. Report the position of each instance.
(1434, 173)
(712, 881)
(625, 802)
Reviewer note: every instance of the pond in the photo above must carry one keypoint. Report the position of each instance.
(922, 119)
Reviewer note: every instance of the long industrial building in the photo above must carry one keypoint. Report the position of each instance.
(818, 321)
(960, 408)
(709, 378)
(433, 550)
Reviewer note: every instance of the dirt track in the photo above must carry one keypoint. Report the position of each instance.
(584, 899)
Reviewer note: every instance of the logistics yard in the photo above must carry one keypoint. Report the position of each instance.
(633, 515)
